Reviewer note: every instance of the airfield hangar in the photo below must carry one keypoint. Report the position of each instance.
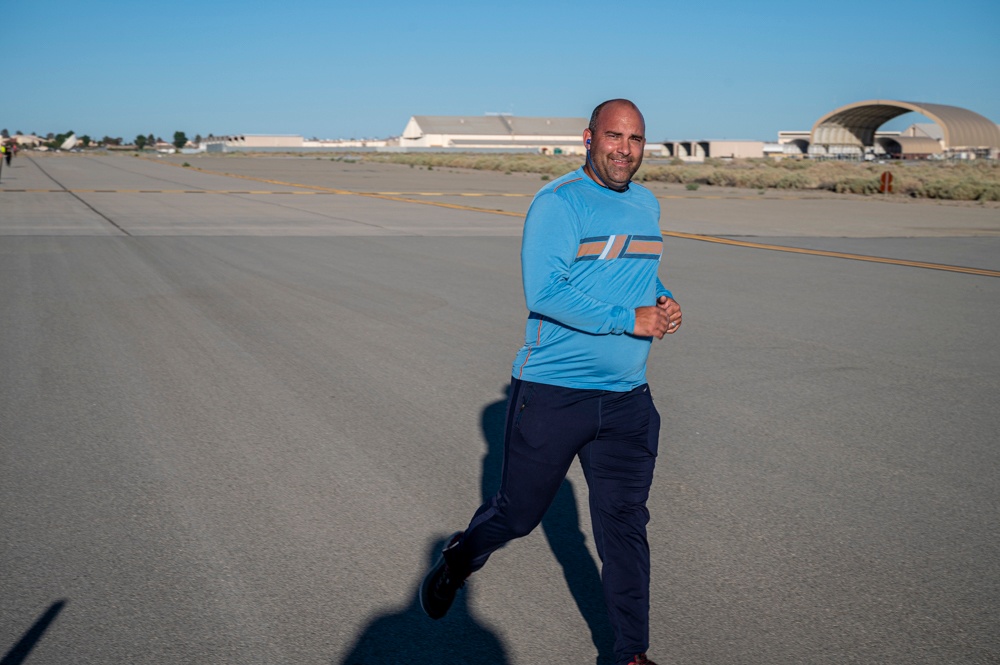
(853, 130)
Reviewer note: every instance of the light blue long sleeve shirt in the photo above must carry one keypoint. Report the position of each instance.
(589, 257)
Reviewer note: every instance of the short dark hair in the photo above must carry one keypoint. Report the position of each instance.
(600, 107)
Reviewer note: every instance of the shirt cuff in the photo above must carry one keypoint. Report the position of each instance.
(623, 320)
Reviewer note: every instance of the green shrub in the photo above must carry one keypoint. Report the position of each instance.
(795, 180)
(721, 178)
(856, 185)
(692, 186)
(962, 190)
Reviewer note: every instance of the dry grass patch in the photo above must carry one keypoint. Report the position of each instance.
(961, 181)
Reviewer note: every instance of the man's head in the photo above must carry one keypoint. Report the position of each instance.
(615, 141)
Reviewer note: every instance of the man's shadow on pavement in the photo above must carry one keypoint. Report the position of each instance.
(561, 526)
(410, 637)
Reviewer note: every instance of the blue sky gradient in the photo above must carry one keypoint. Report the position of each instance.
(726, 69)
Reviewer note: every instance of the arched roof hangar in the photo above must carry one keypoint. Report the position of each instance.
(855, 124)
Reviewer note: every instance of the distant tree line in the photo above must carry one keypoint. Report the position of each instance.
(54, 141)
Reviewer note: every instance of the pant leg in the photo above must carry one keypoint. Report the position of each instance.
(546, 426)
(619, 467)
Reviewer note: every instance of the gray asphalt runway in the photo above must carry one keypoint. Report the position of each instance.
(235, 426)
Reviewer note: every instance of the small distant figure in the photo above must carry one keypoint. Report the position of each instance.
(8, 152)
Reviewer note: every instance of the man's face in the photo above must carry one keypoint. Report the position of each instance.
(616, 145)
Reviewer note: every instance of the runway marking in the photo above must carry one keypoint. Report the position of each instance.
(88, 205)
(674, 234)
(338, 192)
(345, 192)
(683, 197)
(474, 194)
(161, 191)
(836, 255)
(328, 191)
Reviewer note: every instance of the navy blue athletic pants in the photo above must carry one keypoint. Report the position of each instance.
(615, 436)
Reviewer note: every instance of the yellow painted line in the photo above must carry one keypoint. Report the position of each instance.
(475, 194)
(157, 191)
(331, 190)
(164, 191)
(837, 255)
(452, 206)
(759, 197)
(674, 234)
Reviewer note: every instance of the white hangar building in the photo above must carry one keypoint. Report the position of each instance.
(497, 132)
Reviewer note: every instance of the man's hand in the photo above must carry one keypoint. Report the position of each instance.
(673, 311)
(663, 318)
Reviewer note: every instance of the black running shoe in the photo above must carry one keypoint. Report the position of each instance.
(440, 585)
(640, 659)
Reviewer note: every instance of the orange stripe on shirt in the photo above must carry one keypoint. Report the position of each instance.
(590, 249)
(645, 247)
(616, 247)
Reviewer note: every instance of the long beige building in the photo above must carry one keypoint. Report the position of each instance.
(278, 142)
(545, 135)
(696, 151)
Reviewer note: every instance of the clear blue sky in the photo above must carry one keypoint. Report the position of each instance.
(723, 69)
